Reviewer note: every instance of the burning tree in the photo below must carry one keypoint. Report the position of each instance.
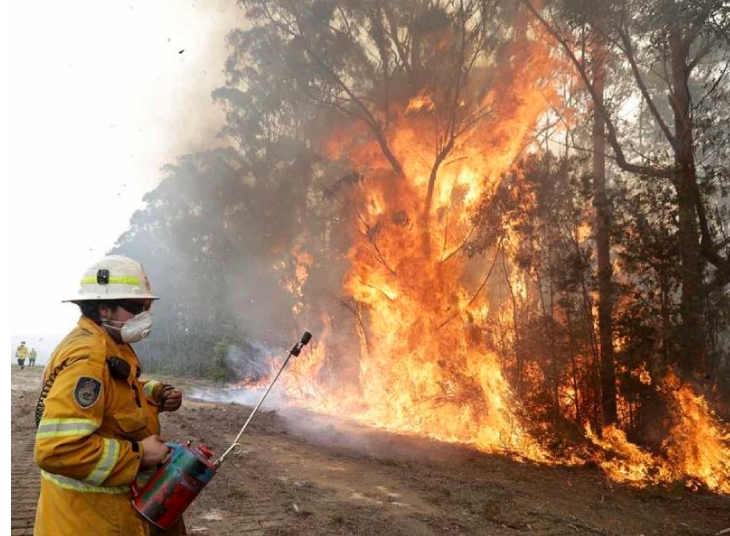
(681, 47)
(428, 104)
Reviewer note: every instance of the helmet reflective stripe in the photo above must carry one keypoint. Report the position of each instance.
(120, 280)
(114, 277)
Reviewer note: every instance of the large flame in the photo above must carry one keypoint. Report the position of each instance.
(705, 458)
(423, 365)
(695, 452)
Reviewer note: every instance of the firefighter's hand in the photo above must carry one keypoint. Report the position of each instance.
(154, 451)
(172, 399)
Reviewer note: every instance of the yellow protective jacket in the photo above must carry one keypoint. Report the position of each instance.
(21, 352)
(32, 354)
(86, 443)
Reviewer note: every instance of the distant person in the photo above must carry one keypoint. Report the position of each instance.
(21, 353)
(31, 357)
(98, 424)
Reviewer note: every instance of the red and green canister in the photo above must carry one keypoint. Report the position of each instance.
(177, 483)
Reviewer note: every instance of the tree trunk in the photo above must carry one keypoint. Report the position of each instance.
(603, 250)
(693, 348)
(519, 365)
(574, 368)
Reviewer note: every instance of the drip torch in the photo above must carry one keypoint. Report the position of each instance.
(184, 474)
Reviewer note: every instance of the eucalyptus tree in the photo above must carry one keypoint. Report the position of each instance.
(364, 61)
(543, 204)
(360, 76)
(678, 51)
(192, 238)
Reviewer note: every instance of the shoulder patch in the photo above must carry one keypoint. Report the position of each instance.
(87, 391)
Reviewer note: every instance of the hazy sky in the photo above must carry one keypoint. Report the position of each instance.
(102, 95)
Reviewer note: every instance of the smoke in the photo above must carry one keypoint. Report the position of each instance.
(196, 49)
(248, 363)
(252, 366)
(237, 395)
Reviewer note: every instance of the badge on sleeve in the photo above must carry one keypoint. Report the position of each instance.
(87, 391)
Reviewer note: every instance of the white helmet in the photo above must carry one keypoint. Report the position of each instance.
(114, 278)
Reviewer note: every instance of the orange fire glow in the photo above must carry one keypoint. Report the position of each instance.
(423, 367)
(695, 452)
(705, 458)
(301, 261)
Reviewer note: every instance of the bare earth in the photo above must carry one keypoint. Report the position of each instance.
(304, 474)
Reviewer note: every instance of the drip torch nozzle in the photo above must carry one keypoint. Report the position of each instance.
(306, 337)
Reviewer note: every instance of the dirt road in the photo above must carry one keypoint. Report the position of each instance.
(303, 474)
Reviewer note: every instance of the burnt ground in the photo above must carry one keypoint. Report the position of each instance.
(304, 474)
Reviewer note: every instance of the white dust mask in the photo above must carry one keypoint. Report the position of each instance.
(135, 329)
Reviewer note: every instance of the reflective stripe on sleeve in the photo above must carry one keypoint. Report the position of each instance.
(108, 460)
(149, 387)
(66, 427)
(82, 487)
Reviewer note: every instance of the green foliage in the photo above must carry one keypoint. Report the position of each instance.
(218, 368)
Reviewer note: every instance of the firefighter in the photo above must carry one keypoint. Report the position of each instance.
(31, 357)
(21, 352)
(98, 425)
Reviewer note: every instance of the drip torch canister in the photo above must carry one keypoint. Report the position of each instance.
(177, 483)
(174, 486)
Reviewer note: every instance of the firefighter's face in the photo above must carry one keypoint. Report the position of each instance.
(124, 310)
(115, 316)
